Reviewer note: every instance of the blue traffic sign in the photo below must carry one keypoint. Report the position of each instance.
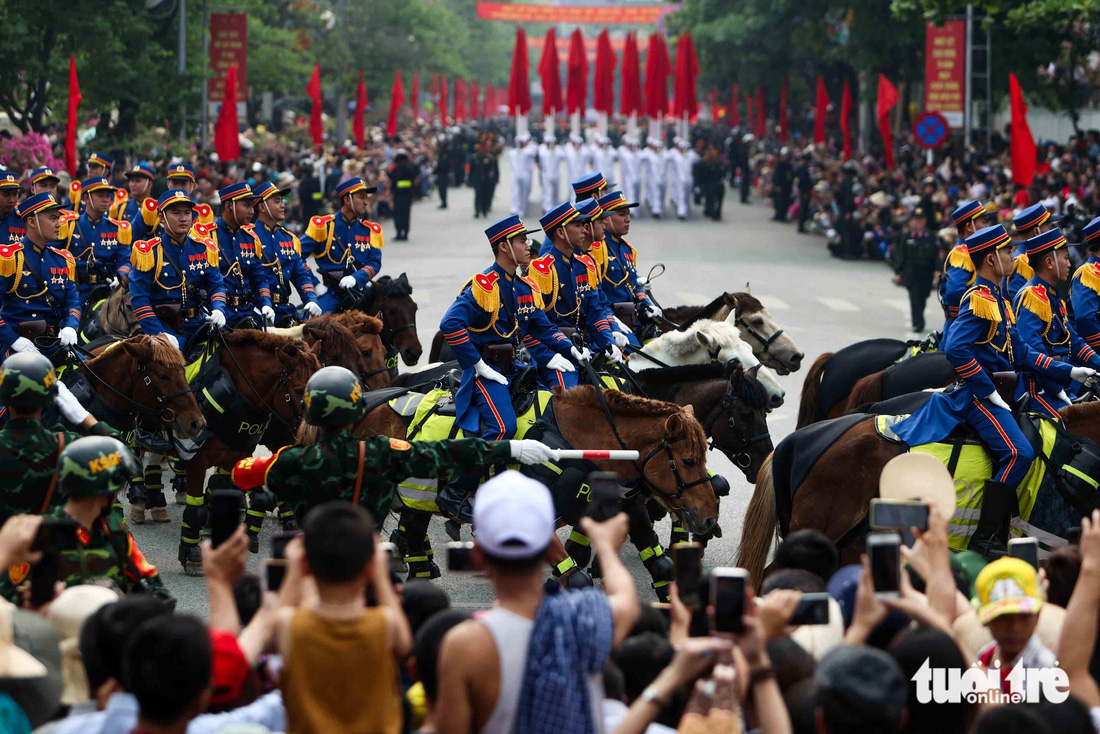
(931, 130)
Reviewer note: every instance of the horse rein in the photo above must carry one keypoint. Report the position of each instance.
(166, 414)
(739, 456)
(765, 342)
(284, 381)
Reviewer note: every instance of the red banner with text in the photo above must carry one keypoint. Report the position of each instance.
(228, 46)
(603, 14)
(945, 70)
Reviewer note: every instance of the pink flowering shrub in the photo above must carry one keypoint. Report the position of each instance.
(23, 154)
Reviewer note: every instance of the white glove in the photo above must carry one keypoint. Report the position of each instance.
(581, 355)
(530, 452)
(1063, 397)
(217, 318)
(654, 309)
(67, 336)
(269, 314)
(113, 282)
(614, 354)
(69, 406)
(1080, 374)
(619, 338)
(23, 344)
(312, 308)
(348, 281)
(996, 399)
(622, 326)
(486, 372)
(172, 338)
(561, 364)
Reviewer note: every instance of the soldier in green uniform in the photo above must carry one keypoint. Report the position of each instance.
(916, 263)
(364, 471)
(29, 450)
(91, 472)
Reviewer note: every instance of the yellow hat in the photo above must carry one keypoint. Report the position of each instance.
(1007, 586)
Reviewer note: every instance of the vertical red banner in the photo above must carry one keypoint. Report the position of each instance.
(228, 46)
(945, 70)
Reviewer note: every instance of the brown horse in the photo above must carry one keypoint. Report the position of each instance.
(774, 348)
(925, 371)
(367, 332)
(350, 340)
(270, 372)
(836, 493)
(832, 376)
(391, 300)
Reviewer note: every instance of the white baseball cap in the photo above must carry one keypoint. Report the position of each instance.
(513, 516)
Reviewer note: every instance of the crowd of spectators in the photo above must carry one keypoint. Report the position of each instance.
(342, 646)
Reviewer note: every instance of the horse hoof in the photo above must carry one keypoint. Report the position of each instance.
(160, 514)
(577, 579)
(453, 530)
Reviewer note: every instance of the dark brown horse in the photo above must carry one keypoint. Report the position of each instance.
(391, 300)
(928, 370)
(836, 493)
(351, 340)
(832, 376)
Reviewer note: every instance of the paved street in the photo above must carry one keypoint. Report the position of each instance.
(822, 302)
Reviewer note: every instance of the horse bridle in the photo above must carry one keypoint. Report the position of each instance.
(284, 382)
(166, 414)
(765, 342)
(738, 455)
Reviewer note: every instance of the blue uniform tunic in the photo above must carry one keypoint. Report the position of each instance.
(496, 307)
(343, 246)
(958, 272)
(282, 258)
(12, 228)
(1020, 275)
(101, 249)
(36, 284)
(161, 268)
(245, 278)
(983, 340)
(1085, 297)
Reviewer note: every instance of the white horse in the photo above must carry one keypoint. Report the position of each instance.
(703, 342)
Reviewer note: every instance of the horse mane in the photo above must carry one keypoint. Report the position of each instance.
(336, 341)
(301, 360)
(708, 311)
(162, 350)
(356, 321)
(753, 393)
(1079, 412)
(394, 286)
(686, 373)
(681, 343)
(748, 303)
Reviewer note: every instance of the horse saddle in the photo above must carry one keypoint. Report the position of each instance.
(626, 312)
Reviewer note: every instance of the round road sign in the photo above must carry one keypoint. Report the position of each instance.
(931, 130)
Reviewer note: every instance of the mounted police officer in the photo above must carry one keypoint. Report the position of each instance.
(495, 312)
(1043, 322)
(1032, 221)
(347, 248)
(45, 180)
(282, 256)
(29, 450)
(239, 259)
(139, 182)
(567, 281)
(11, 224)
(364, 471)
(620, 282)
(983, 341)
(171, 273)
(99, 166)
(181, 177)
(90, 473)
(1085, 290)
(958, 270)
(99, 244)
(915, 263)
(38, 293)
(592, 246)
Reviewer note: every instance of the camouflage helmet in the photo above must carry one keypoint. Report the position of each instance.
(95, 465)
(333, 398)
(27, 380)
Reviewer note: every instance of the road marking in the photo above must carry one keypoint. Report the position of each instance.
(773, 303)
(901, 304)
(837, 304)
(693, 299)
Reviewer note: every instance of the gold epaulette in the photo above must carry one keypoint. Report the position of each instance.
(983, 303)
(543, 273)
(320, 229)
(1034, 298)
(599, 256)
(536, 292)
(118, 207)
(70, 261)
(485, 288)
(67, 224)
(205, 213)
(376, 239)
(74, 195)
(959, 257)
(211, 251)
(1021, 266)
(11, 259)
(149, 212)
(1089, 275)
(143, 255)
(593, 271)
(125, 233)
(250, 230)
(297, 243)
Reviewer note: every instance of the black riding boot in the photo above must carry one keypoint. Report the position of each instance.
(453, 499)
(999, 505)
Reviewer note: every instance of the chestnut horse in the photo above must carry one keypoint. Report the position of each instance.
(836, 493)
(925, 371)
(351, 339)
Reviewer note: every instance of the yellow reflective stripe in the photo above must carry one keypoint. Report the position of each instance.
(565, 565)
(198, 501)
(1081, 475)
(416, 559)
(578, 537)
(213, 402)
(659, 584)
(654, 551)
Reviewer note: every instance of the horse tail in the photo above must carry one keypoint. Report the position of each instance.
(306, 435)
(867, 390)
(807, 408)
(759, 528)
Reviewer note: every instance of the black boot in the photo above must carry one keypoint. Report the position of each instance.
(453, 499)
(999, 505)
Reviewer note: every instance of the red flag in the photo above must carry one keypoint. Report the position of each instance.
(488, 111)
(550, 74)
(358, 124)
(227, 144)
(630, 86)
(735, 108)
(416, 95)
(443, 92)
(1022, 143)
(475, 108)
(460, 100)
(761, 113)
(313, 89)
(70, 130)
(436, 98)
(519, 86)
(397, 98)
(576, 86)
(887, 98)
(684, 99)
(714, 105)
(821, 103)
(657, 69)
(750, 121)
(603, 90)
(783, 110)
(845, 123)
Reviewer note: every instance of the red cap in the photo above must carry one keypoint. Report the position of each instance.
(230, 669)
